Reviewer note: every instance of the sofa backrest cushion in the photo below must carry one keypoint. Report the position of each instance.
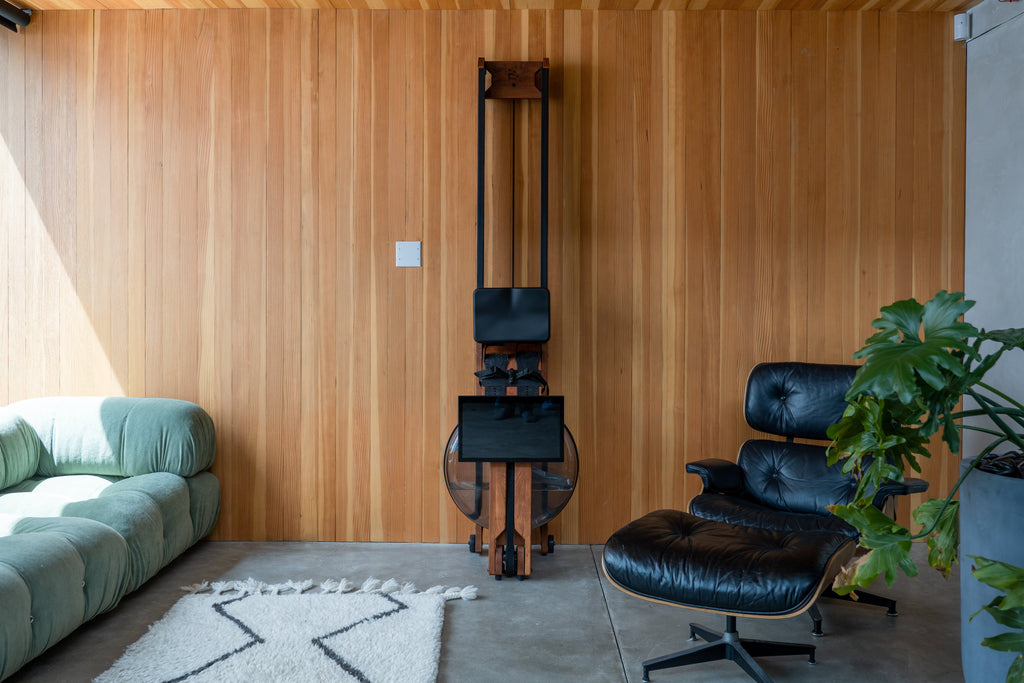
(19, 449)
(120, 437)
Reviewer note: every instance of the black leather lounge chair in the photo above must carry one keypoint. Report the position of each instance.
(758, 541)
(786, 486)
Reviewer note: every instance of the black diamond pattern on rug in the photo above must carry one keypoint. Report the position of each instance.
(255, 639)
(320, 641)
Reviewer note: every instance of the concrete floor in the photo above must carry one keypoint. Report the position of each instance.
(566, 623)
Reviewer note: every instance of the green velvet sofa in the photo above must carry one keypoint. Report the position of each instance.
(96, 496)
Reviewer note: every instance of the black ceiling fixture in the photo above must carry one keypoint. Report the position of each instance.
(12, 17)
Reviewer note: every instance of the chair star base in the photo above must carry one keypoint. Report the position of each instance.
(727, 645)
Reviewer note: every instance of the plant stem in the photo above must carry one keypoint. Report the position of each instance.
(945, 504)
(1001, 395)
(985, 402)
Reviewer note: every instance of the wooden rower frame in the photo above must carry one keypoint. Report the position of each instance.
(510, 532)
(515, 519)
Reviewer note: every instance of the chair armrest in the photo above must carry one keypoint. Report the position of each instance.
(719, 476)
(896, 488)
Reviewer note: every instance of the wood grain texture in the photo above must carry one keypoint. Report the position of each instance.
(204, 205)
(627, 5)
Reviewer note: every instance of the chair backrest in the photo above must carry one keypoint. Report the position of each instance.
(795, 400)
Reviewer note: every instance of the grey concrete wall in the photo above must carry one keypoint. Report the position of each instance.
(994, 255)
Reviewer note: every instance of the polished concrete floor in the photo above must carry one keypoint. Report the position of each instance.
(566, 623)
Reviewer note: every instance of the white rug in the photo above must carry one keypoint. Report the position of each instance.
(248, 631)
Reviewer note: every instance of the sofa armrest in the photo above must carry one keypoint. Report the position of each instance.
(898, 488)
(719, 476)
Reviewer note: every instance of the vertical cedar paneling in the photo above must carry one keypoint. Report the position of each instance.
(643, 250)
(330, 475)
(12, 210)
(286, 300)
(609, 470)
(358, 366)
(195, 46)
(891, 6)
(313, 374)
(244, 473)
(54, 157)
(701, 204)
(75, 363)
(808, 185)
(165, 344)
(10, 197)
(673, 308)
(434, 430)
(739, 306)
(780, 264)
(137, 166)
(34, 383)
(387, 372)
(204, 205)
(842, 111)
(565, 280)
(420, 347)
(220, 189)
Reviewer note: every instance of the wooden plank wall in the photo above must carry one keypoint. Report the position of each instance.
(203, 204)
(951, 6)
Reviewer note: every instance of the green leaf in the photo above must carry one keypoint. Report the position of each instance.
(1013, 618)
(944, 539)
(1005, 610)
(888, 541)
(875, 446)
(1006, 642)
(1012, 338)
(1007, 578)
(917, 347)
(1016, 672)
(996, 574)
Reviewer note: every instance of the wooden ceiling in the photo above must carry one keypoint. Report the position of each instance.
(758, 5)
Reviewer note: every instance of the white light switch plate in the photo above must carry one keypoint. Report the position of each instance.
(407, 254)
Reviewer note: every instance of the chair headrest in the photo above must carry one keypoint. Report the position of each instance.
(800, 400)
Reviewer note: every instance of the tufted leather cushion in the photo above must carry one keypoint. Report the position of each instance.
(746, 512)
(800, 400)
(673, 556)
(793, 476)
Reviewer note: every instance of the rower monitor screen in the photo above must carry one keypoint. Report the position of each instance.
(511, 428)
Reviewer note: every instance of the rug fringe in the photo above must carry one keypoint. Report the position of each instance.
(251, 586)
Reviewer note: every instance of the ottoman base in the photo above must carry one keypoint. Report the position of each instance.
(728, 645)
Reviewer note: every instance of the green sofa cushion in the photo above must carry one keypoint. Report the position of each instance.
(96, 496)
(204, 503)
(170, 494)
(137, 518)
(152, 512)
(71, 487)
(54, 573)
(103, 551)
(19, 449)
(120, 437)
(49, 497)
(15, 613)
